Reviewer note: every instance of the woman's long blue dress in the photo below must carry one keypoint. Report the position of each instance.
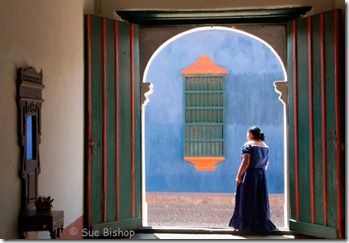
(252, 211)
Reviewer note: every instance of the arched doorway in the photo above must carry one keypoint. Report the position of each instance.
(249, 99)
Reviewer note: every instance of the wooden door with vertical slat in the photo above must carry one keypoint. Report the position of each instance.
(113, 128)
(316, 125)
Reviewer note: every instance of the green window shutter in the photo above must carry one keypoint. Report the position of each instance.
(204, 109)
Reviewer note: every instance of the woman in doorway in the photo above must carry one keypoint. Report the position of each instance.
(252, 211)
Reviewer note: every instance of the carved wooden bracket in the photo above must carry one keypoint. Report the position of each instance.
(281, 87)
(146, 90)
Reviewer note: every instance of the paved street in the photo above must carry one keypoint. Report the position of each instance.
(201, 209)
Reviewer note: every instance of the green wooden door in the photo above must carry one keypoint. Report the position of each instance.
(316, 125)
(113, 125)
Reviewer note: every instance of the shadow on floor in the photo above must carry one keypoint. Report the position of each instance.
(169, 236)
(213, 234)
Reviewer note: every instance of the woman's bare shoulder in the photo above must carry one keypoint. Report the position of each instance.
(263, 144)
(248, 143)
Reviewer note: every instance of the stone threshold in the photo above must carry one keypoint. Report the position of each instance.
(204, 230)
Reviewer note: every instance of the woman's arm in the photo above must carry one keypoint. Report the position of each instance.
(245, 162)
(266, 166)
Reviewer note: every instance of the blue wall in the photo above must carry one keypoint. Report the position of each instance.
(249, 99)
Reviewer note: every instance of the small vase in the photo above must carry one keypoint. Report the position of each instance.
(43, 210)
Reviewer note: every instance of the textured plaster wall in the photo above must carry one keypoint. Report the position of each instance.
(49, 36)
(152, 37)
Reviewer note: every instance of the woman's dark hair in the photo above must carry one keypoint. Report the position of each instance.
(256, 133)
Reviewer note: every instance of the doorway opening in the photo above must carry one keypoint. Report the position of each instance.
(175, 193)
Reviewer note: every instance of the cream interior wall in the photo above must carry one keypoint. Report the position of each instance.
(106, 7)
(49, 36)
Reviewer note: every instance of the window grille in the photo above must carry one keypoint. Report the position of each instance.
(204, 116)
